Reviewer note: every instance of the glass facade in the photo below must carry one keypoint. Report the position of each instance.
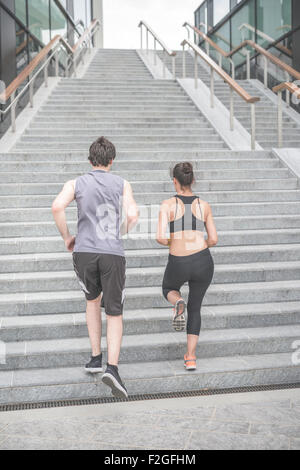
(28, 25)
(45, 19)
(272, 17)
(263, 21)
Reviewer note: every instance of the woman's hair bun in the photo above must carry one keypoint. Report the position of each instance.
(187, 168)
(184, 173)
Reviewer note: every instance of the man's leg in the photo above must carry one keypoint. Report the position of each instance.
(94, 324)
(114, 338)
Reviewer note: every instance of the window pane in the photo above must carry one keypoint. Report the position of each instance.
(58, 21)
(39, 19)
(243, 27)
(274, 19)
(221, 9)
(20, 6)
(80, 11)
(222, 38)
(88, 12)
(21, 48)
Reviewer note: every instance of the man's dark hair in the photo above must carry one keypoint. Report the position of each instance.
(102, 152)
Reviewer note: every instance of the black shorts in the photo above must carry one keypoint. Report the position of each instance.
(102, 273)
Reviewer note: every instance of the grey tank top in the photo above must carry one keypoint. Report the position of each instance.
(98, 196)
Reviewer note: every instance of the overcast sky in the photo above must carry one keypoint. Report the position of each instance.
(121, 18)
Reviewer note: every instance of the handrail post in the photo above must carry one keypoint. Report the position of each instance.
(207, 48)
(232, 70)
(212, 88)
(220, 60)
(266, 72)
(280, 119)
(248, 65)
(46, 76)
(164, 55)
(13, 112)
(31, 90)
(253, 126)
(155, 58)
(287, 94)
(174, 66)
(183, 62)
(56, 64)
(147, 41)
(141, 36)
(231, 110)
(196, 70)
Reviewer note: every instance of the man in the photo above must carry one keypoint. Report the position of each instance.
(98, 254)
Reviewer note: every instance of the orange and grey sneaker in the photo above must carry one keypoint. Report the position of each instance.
(179, 317)
(190, 362)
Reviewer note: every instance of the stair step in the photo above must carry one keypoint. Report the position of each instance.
(41, 262)
(41, 303)
(152, 377)
(139, 322)
(55, 281)
(153, 347)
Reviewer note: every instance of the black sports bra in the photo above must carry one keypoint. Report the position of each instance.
(188, 221)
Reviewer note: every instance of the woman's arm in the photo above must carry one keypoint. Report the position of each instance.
(163, 221)
(212, 235)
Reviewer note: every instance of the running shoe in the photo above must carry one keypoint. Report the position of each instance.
(190, 362)
(179, 316)
(112, 379)
(95, 365)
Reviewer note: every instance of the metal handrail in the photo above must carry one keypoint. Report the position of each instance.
(268, 57)
(288, 70)
(156, 38)
(233, 85)
(57, 44)
(263, 36)
(290, 88)
(209, 42)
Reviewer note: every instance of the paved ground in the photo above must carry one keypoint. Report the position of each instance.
(262, 420)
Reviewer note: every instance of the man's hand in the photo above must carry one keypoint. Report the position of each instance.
(70, 243)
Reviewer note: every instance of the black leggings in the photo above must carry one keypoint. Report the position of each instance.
(198, 271)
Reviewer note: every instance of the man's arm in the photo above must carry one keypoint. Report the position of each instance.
(59, 205)
(130, 210)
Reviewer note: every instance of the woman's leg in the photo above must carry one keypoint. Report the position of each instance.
(173, 297)
(197, 289)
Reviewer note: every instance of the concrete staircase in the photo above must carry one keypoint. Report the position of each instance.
(251, 315)
(266, 110)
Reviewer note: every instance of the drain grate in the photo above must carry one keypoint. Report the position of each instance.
(155, 396)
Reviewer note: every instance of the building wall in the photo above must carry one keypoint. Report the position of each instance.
(296, 36)
(7, 45)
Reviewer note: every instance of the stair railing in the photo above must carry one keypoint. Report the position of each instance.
(263, 35)
(233, 86)
(157, 40)
(210, 43)
(268, 57)
(41, 62)
(290, 88)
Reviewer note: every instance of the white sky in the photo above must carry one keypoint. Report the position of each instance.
(166, 17)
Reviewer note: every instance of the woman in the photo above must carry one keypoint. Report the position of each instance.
(189, 259)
